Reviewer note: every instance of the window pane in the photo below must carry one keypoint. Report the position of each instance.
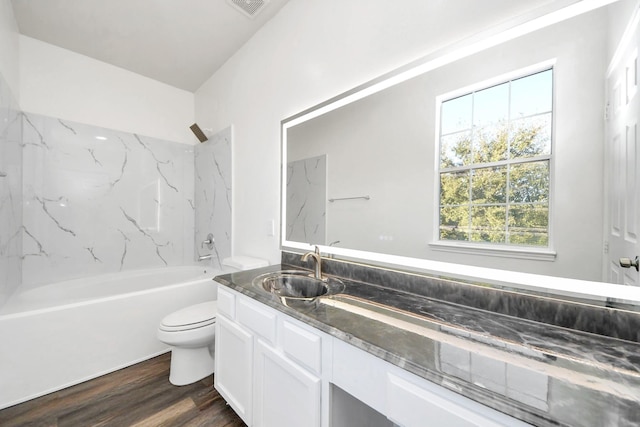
(456, 115)
(488, 224)
(489, 185)
(490, 144)
(454, 223)
(454, 188)
(529, 182)
(502, 197)
(532, 94)
(491, 106)
(529, 225)
(455, 149)
(531, 136)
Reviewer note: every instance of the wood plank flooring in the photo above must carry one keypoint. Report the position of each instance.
(139, 395)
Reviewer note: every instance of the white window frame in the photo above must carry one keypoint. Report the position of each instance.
(546, 253)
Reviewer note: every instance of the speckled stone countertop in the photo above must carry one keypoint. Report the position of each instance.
(541, 373)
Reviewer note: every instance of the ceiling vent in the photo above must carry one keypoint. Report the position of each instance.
(249, 7)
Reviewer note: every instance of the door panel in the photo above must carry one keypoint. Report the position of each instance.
(623, 160)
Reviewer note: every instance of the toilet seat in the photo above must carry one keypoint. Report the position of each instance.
(192, 317)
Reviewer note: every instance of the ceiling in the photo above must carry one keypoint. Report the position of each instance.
(178, 42)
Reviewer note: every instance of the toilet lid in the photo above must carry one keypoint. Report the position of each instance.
(194, 316)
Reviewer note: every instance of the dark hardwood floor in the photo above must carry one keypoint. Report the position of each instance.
(139, 395)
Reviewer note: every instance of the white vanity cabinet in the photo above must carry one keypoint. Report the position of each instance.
(275, 371)
(268, 366)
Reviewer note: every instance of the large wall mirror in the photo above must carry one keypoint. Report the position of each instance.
(512, 153)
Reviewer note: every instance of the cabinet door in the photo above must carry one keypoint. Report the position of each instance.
(285, 395)
(234, 356)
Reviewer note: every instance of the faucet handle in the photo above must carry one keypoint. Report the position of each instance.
(208, 241)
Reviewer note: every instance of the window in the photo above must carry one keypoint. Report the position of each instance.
(495, 153)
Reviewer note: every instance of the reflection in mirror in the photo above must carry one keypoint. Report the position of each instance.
(306, 199)
(495, 160)
(495, 150)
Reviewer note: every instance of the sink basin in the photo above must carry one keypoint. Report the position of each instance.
(295, 284)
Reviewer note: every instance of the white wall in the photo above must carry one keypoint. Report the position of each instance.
(9, 46)
(56, 82)
(619, 14)
(313, 50)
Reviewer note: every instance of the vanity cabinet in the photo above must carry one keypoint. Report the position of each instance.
(267, 366)
(275, 371)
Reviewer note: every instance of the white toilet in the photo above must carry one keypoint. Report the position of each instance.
(191, 331)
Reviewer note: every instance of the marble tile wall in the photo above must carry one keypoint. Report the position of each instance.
(213, 197)
(99, 201)
(10, 192)
(307, 200)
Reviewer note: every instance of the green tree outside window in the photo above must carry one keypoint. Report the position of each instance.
(495, 151)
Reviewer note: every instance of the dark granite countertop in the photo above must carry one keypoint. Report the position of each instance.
(543, 374)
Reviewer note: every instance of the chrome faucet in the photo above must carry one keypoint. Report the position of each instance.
(315, 255)
(203, 257)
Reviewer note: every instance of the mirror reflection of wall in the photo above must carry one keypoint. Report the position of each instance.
(307, 200)
(386, 145)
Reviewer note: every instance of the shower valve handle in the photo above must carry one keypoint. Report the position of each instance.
(209, 241)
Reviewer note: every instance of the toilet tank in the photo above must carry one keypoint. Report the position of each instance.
(242, 262)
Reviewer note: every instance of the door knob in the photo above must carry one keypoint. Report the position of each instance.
(628, 263)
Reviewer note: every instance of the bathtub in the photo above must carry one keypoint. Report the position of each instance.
(61, 334)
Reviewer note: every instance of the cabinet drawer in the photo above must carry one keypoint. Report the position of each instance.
(302, 345)
(410, 403)
(258, 318)
(226, 303)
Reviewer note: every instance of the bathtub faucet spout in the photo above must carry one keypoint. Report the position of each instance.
(203, 257)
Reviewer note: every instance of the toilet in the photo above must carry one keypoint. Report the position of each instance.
(190, 331)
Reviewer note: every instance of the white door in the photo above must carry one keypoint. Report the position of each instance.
(233, 373)
(623, 161)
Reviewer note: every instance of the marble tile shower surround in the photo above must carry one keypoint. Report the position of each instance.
(213, 196)
(100, 201)
(610, 322)
(10, 192)
(307, 200)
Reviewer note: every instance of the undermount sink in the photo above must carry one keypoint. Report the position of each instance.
(297, 285)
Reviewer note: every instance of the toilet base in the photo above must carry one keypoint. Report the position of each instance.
(189, 365)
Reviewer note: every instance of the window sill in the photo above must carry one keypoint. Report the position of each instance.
(538, 254)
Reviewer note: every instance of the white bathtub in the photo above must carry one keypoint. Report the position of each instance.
(61, 334)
